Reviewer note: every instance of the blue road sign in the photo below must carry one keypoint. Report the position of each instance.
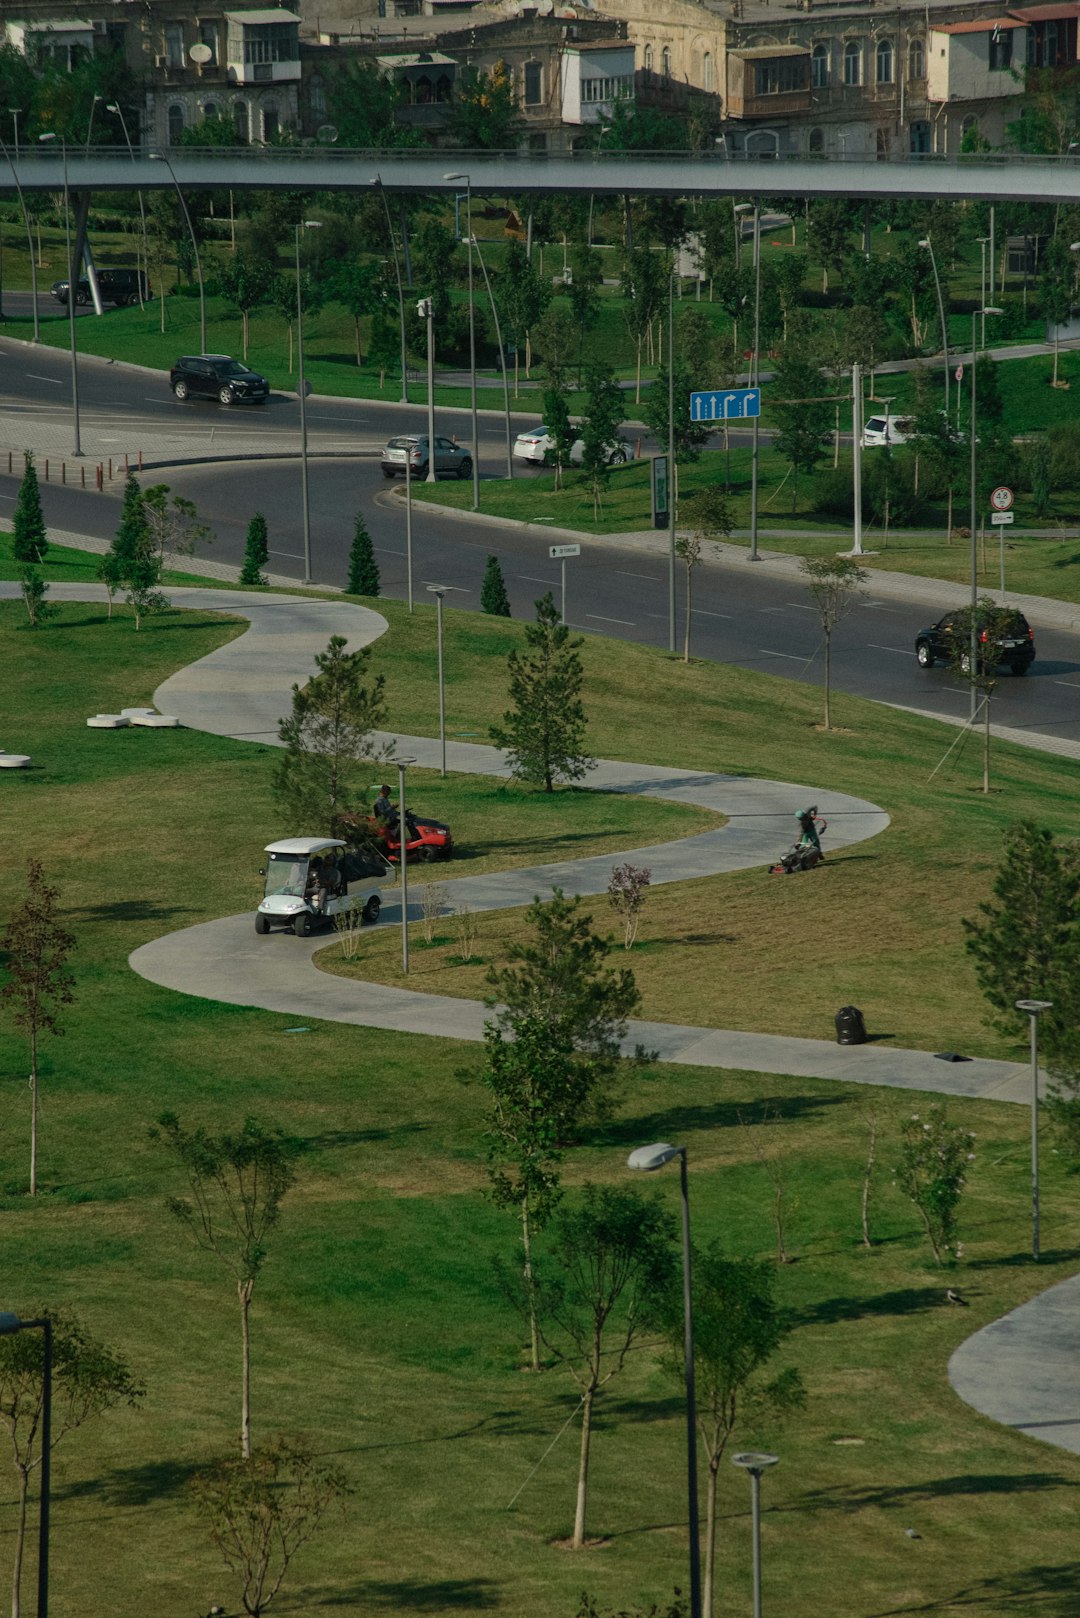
(722, 406)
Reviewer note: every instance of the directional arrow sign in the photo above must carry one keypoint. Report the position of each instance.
(724, 405)
(1000, 518)
(555, 551)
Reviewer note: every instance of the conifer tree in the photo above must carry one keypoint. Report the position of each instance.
(30, 542)
(132, 538)
(493, 596)
(543, 735)
(363, 570)
(256, 551)
(328, 739)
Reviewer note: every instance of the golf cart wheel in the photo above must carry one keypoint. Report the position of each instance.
(924, 655)
(180, 389)
(302, 925)
(225, 396)
(370, 912)
(464, 469)
(262, 923)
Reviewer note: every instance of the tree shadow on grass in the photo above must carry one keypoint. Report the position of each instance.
(675, 1121)
(1019, 1261)
(406, 1595)
(830, 1311)
(845, 1497)
(134, 1485)
(334, 1139)
(1033, 1592)
(131, 910)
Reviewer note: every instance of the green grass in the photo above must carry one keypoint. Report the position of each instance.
(378, 1329)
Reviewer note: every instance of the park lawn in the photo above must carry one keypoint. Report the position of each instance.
(65, 564)
(380, 1272)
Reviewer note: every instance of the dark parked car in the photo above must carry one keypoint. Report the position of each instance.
(951, 636)
(119, 286)
(216, 376)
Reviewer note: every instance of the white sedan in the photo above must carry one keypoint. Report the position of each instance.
(536, 446)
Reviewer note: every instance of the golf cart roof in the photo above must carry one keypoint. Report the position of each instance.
(303, 845)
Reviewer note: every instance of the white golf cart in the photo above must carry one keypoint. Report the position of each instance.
(310, 880)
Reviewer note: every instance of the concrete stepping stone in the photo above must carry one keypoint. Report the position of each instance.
(155, 721)
(14, 761)
(109, 721)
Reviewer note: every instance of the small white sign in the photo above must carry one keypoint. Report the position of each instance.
(1001, 498)
(1000, 518)
(555, 551)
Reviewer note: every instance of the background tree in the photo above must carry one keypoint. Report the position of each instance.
(627, 890)
(312, 297)
(256, 551)
(543, 734)
(643, 282)
(246, 280)
(738, 1327)
(358, 288)
(237, 1183)
(835, 584)
(604, 411)
(828, 235)
(611, 1263)
(524, 295)
(34, 950)
(560, 977)
(583, 292)
(174, 525)
(493, 596)
(88, 1379)
(561, 430)
(688, 549)
(29, 538)
(788, 275)
(260, 1511)
(33, 589)
(485, 112)
(363, 103)
(328, 737)
(363, 579)
(932, 1172)
(801, 413)
(1057, 284)
(994, 626)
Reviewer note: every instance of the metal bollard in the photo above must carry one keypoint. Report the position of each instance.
(63, 471)
(110, 468)
(140, 460)
(46, 469)
(82, 469)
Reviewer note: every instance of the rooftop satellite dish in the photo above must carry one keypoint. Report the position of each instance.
(201, 54)
(326, 134)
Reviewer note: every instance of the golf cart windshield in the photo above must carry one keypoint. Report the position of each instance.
(286, 874)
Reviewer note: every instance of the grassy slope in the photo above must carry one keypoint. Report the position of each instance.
(379, 1274)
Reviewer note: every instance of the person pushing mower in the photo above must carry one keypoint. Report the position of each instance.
(807, 852)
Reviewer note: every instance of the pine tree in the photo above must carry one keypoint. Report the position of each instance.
(363, 570)
(328, 739)
(256, 551)
(543, 735)
(30, 542)
(132, 539)
(493, 596)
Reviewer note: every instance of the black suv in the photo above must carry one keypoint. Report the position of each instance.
(952, 634)
(119, 286)
(216, 376)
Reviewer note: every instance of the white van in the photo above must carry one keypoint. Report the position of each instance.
(878, 430)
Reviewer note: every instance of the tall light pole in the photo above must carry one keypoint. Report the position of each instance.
(26, 222)
(755, 369)
(306, 224)
(439, 591)
(472, 342)
(973, 653)
(14, 114)
(1034, 1009)
(72, 280)
(160, 157)
(929, 246)
(90, 125)
(755, 1463)
(402, 766)
(502, 360)
(650, 1158)
(377, 185)
(425, 308)
(9, 1325)
(672, 479)
(408, 526)
(114, 107)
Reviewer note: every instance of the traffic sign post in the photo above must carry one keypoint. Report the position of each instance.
(999, 519)
(728, 404)
(659, 491)
(559, 553)
(1001, 498)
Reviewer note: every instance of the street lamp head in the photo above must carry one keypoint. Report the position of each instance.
(754, 1461)
(438, 590)
(925, 242)
(1034, 1006)
(50, 134)
(9, 1324)
(112, 106)
(464, 177)
(653, 1157)
(1074, 247)
(991, 309)
(313, 224)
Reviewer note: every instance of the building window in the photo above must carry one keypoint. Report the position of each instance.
(916, 60)
(819, 67)
(176, 124)
(1001, 50)
(648, 58)
(208, 37)
(317, 96)
(538, 143)
(444, 89)
(707, 72)
(884, 61)
(816, 144)
(665, 62)
(780, 77)
(240, 119)
(881, 138)
(534, 84)
(210, 110)
(919, 138)
(1049, 53)
(615, 89)
(763, 143)
(853, 62)
(174, 45)
(269, 120)
(274, 42)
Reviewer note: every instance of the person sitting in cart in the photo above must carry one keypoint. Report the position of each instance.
(383, 807)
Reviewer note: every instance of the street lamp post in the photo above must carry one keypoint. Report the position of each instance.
(14, 114)
(754, 382)
(502, 360)
(306, 224)
(114, 107)
(26, 221)
(378, 186)
(90, 125)
(928, 244)
(9, 1325)
(1034, 1009)
(650, 1158)
(974, 648)
(472, 341)
(425, 308)
(672, 479)
(72, 281)
(439, 591)
(755, 1463)
(402, 766)
(160, 157)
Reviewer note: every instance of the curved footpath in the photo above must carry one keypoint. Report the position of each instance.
(241, 689)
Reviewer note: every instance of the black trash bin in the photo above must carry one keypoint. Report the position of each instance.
(850, 1026)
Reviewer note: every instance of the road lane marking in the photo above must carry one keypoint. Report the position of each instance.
(901, 651)
(789, 656)
(598, 618)
(1072, 685)
(56, 381)
(799, 606)
(649, 577)
(703, 612)
(529, 579)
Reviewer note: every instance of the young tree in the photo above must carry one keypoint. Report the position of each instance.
(603, 417)
(34, 589)
(688, 548)
(328, 737)
(132, 539)
(363, 579)
(610, 1266)
(173, 524)
(835, 583)
(29, 538)
(643, 280)
(555, 341)
(133, 562)
(994, 626)
(561, 978)
(562, 432)
(524, 295)
(543, 734)
(802, 415)
(485, 113)
(690, 436)
(256, 551)
(34, 950)
(261, 1509)
(358, 288)
(586, 270)
(627, 891)
(87, 1380)
(1057, 287)
(828, 234)
(738, 1327)
(493, 596)
(247, 281)
(237, 1183)
(932, 1171)
(283, 298)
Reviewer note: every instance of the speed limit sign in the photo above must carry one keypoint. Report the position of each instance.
(1001, 499)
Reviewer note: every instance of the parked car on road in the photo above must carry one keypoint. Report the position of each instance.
(536, 446)
(118, 286)
(450, 458)
(879, 430)
(216, 376)
(949, 637)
